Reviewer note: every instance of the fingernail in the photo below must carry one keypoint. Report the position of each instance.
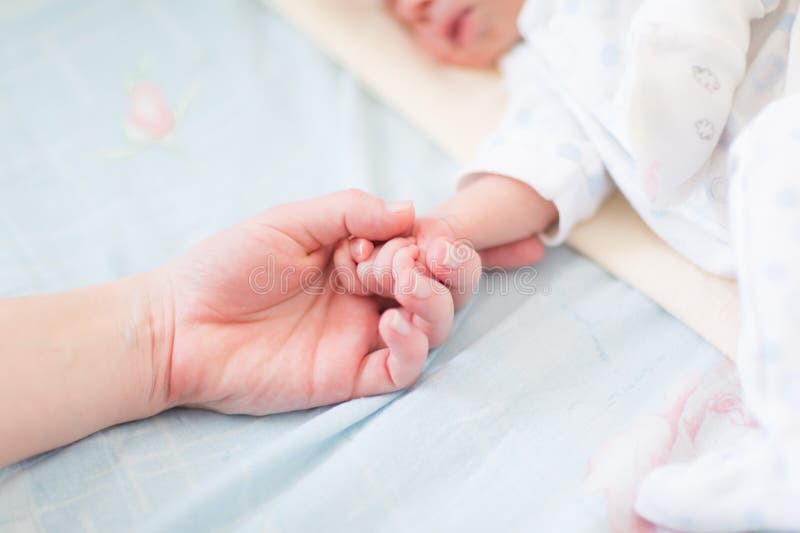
(357, 250)
(399, 324)
(399, 207)
(452, 257)
(422, 287)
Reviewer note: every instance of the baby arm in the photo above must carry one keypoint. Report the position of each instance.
(500, 217)
(687, 59)
(530, 183)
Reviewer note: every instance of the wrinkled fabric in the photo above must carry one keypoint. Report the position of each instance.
(129, 130)
(754, 483)
(610, 77)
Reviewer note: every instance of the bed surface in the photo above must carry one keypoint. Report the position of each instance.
(360, 35)
(543, 412)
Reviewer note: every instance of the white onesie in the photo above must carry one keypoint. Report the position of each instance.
(686, 60)
(567, 123)
(655, 92)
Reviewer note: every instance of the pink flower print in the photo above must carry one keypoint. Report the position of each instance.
(692, 425)
(731, 404)
(618, 467)
(150, 116)
(725, 403)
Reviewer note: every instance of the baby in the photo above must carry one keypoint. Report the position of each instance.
(647, 96)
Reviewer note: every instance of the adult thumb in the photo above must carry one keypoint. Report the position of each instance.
(327, 219)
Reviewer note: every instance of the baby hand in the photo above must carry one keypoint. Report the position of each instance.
(451, 260)
(394, 271)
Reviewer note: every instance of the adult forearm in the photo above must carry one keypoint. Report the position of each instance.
(79, 361)
(496, 210)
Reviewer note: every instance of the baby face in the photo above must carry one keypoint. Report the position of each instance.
(463, 32)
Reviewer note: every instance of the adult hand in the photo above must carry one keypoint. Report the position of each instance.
(493, 221)
(260, 326)
(249, 321)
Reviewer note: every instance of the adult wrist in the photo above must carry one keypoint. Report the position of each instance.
(156, 331)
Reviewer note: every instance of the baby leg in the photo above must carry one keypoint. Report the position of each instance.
(754, 484)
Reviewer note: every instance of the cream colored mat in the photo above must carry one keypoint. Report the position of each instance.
(456, 108)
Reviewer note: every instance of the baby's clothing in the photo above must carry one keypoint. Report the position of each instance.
(570, 83)
(656, 92)
(686, 61)
(754, 484)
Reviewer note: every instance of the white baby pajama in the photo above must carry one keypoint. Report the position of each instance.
(754, 484)
(655, 91)
(688, 59)
(540, 143)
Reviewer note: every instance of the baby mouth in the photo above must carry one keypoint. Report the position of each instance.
(459, 29)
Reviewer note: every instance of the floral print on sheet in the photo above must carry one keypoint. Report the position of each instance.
(700, 413)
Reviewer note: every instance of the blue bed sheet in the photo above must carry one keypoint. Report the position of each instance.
(129, 130)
